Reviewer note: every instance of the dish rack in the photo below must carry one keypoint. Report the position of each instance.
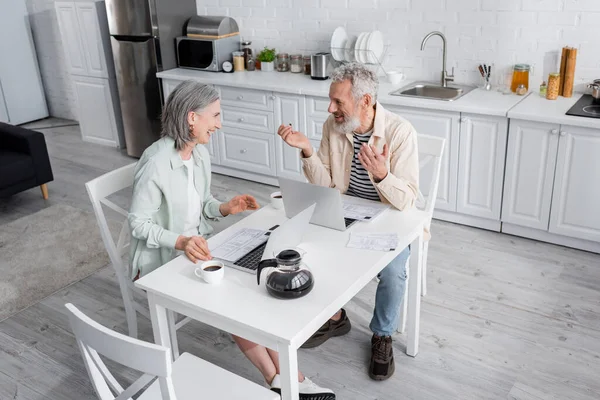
(363, 54)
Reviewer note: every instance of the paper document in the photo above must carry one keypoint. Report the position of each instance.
(362, 212)
(373, 241)
(239, 244)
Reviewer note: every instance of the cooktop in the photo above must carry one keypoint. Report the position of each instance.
(586, 106)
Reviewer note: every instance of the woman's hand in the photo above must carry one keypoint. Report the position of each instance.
(238, 204)
(194, 247)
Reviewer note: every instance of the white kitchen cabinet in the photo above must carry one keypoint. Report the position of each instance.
(96, 110)
(213, 149)
(576, 195)
(289, 109)
(444, 125)
(529, 175)
(168, 86)
(22, 97)
(71, 36)
(241, 118)
(316, 115)
(481, 165)
(247, 150)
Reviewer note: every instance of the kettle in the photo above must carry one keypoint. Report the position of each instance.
(289, 277)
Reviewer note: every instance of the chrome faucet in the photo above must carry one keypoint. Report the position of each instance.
(445, 77)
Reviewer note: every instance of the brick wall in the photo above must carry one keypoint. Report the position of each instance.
(498, 32)
(58, 88)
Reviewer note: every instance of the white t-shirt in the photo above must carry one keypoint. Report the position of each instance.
(192, 219)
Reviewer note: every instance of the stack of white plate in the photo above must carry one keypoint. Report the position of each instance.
(366, 48)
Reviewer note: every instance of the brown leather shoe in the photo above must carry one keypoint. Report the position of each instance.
(382, 358)
(328, 330)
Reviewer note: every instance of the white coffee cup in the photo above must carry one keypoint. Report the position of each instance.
(276, 200)
(211, 271)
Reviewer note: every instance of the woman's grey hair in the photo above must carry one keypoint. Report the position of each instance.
(187, 96)
(363, 80)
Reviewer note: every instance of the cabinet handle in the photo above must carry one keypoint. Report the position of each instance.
(243, 151)
(240, 97)
(273, 98)
(563, 133)
(464, 119)
(554, 131)
(241, 119)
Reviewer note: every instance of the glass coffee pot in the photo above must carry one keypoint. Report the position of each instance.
(288, 277)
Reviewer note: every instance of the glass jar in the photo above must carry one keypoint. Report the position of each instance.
(247, 51)
(283, 62)
(238, 61)
(553, 86)
(543, 89)
(520, 77)
(250, 64)
(296, 64)
(306, 60)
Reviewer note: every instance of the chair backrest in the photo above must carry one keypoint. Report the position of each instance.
(98, 190)
(94, 339)
(431, 149)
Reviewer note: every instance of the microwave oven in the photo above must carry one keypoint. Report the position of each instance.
(206, 54)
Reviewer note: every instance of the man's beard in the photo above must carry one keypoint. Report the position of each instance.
(350, 124)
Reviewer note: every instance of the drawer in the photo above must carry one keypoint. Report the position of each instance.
(316, 115)
(255, 120)
(249, 151)
(247, 98)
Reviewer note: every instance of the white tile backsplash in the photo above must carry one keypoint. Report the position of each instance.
(478, 31)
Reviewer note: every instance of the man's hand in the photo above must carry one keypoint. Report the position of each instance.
(194, 247)
(238, 204)
(373, 161)
(295, 139)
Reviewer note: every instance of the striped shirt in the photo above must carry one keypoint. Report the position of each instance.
(360, 184)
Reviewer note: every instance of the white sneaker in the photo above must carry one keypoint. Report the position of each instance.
(308, 389)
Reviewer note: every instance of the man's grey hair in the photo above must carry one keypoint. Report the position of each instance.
(187, 96)
(363, 80)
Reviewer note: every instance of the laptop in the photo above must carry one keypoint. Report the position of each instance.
(329, 211)
(245, 249)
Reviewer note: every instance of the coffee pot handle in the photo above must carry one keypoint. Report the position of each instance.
(270, 263)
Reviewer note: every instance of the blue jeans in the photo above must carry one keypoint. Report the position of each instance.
(390, 292)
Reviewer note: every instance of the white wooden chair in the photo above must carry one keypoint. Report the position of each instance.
(431, 150)
(98, 190)
(189, 377)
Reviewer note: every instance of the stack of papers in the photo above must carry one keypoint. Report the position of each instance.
(373, 241)
(239, 244)
(362, 212)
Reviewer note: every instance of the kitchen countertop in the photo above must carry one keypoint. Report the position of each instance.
(477, 101)
(537, 108)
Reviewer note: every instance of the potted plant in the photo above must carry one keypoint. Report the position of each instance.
(267, 59)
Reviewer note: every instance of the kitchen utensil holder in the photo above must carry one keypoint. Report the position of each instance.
(366, 54)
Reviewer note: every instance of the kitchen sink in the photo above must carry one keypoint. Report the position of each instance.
(430, 90)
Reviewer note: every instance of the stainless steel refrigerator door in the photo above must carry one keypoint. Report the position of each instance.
(131, 17)
(139, 92)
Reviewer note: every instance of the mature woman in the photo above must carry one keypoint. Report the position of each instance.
(172, 203)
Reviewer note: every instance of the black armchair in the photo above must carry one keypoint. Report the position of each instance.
(24, 161)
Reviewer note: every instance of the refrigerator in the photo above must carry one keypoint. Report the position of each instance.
(142, 37)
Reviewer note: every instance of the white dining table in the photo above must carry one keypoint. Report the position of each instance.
(241, 307)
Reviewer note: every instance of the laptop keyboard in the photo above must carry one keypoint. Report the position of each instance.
(252, 259)
(348, 221)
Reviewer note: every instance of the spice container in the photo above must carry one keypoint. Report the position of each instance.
(521, 90)
(306, 60)
(543, 89)
(296, 64)
(250, 65)
(520, 77)
(283, 62)
(238, 61)
(553, 86)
